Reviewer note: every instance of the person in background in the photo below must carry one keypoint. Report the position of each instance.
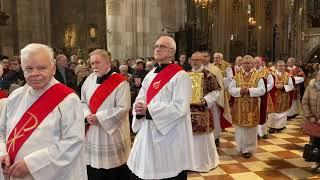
(311, 112)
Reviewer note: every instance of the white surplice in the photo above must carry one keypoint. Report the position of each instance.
(296, 106)
(55, 150)
(279, 120)
(205, 152)
(108, 143)
(263, 128)
(163, 146)
(246, 137)
(229, 75)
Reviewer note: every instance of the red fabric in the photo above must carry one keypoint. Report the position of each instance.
(224, 123)
(3, 94)
(33, 117)
(103, 92)
(161, 80)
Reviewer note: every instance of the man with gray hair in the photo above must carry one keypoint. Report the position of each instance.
(280, 100)
(161, 117)
(105, 96)
(41, 126)
(247, 87)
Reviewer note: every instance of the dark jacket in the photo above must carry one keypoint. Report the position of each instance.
(70, 78)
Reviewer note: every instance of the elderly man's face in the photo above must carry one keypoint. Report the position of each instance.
(206, 58)
(281, 67)
(247, 65)
(38, 70)
(163, 50)
(290, 63)
(62, 62)
(196, 61)
(99, 64)
(217, 59)
(257, 63)
(238, 61)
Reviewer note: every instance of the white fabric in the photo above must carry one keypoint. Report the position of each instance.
(205, 156)
(108, 143)
(55, 150)
(263, 129)
(295, 107)
(216, 120)
(277, 120)
(163, 146)
(246, 139)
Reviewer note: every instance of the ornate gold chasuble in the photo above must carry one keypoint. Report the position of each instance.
(280, 99)
(246, 110)
(201, 116)
(223, 67)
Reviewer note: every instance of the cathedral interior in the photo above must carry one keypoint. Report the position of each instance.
(273, 29)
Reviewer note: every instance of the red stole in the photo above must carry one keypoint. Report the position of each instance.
(161, 80)
(263, 104)
(103, 92)
(33, 117)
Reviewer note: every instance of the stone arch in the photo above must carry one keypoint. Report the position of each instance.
(312, 45)
(308, 55)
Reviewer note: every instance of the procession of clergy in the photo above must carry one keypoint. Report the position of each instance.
(43, 135)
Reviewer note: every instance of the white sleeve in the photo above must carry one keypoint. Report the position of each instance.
(270, 82)
(211, 97)
(3, 127)
(290, 86)
(298, 80)
(110, 119)
(259, 90)
(167, 115)
(229, 72)
(84, 99)
(233, 90)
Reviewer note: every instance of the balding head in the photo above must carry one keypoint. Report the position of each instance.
(164, 50)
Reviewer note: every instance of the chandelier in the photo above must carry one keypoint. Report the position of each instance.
(203, 3)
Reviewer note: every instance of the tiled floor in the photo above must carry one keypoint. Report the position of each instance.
(277, 158)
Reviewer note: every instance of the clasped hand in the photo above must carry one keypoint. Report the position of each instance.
(18, 169)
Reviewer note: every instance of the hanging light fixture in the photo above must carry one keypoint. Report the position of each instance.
(202, 3)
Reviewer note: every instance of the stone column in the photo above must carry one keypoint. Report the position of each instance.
(33, 21)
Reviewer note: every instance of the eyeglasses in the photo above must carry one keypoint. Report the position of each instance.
(161, 47)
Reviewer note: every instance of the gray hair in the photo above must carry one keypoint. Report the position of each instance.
(34, 48)
(280, 62)
(218, 54)
(124, 67)
(105, 54)
(248, 57)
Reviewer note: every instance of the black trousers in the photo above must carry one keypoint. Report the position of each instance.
(181, 176)
(118, 173)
